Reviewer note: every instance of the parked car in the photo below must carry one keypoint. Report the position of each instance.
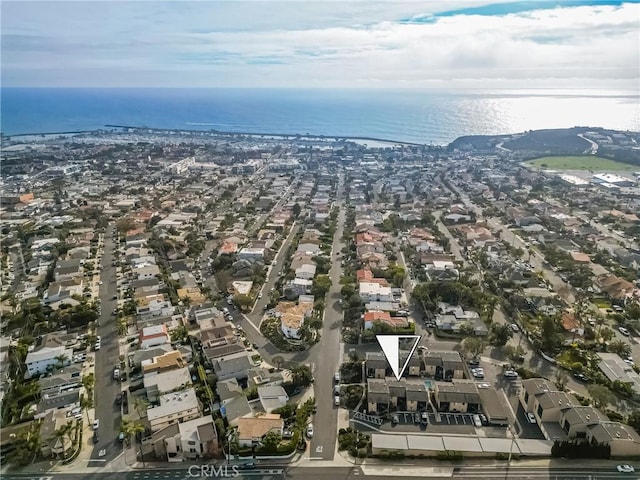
(116, 373)
(96, 424)
(310, 430)
(476, 421)
(624, 331)
(531, 417)
(336, 377)
(424, 418)
(395, 420)
(484, 419)
(510, 374)
(515, 327)
(416, 418)
(336, 400)
(474, 362)
(95, 437)
(625, 468)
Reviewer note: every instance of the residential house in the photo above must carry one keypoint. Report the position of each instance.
(371, 318)
(292, 316)
(234, 365)
(174, 408)
(252, 255)
(374, 292)
(576, 421)
(45, 359)
(457, 397)
(153, 336)
(306, 271)
(165, 362)
(228, 390)
(623, 439)
(615, 369)
(157, 384)
(237, 408)
(417, 397)
(377, 396)
(443, 364)
(296, 287)
(272, 397)
(376, 365)
(548, 406)
(190, 440)
(531, 388)
(251, 431)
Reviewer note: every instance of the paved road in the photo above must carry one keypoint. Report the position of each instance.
(404, 471)
(107, 357)
(327, 353)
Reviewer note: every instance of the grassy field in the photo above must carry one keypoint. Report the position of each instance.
(582, 163)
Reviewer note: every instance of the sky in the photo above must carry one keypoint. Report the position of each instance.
(329, 44)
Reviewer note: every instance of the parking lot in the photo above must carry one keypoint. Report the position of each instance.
(451, 419)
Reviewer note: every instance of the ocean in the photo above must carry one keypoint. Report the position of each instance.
(420, 116)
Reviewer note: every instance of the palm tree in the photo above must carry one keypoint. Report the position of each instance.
(140, 405)
(60, 434)
(88, 382)
(122, 326)
(132, 428)
(60, 360)
(86, 402)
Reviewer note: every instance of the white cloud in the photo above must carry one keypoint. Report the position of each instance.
(314, 44)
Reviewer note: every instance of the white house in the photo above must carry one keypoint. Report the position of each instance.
(272, 397)
(196, 438)
(306, 271)
(251, 254)
(374, 292)
(174, 408)
(154, 335)
(46, 358)
(148, 271)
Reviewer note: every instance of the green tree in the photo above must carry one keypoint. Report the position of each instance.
(550, 336)
(474, 346)
(243, 302)
(560, 378)
(500, 334)
(600, 395)
(296, 210)
(467, 329)
(620, 347)
(140, 405)
(86, 403)
(321, 285)
(301, 376)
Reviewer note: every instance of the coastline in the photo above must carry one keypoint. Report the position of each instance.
(361, 140)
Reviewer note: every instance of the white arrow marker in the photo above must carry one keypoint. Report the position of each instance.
(390, 345)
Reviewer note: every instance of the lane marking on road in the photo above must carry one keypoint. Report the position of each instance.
(319, 449)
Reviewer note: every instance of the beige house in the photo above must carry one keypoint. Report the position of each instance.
(457, 397)
(443, 364)
(174, 408)
(377, 396)
(548, 406)
(623, 439)
(251, 431)
(195, 439)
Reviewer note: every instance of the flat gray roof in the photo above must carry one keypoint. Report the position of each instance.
(394, 442)
(462, 444)
(498, 445)
(425, 442)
